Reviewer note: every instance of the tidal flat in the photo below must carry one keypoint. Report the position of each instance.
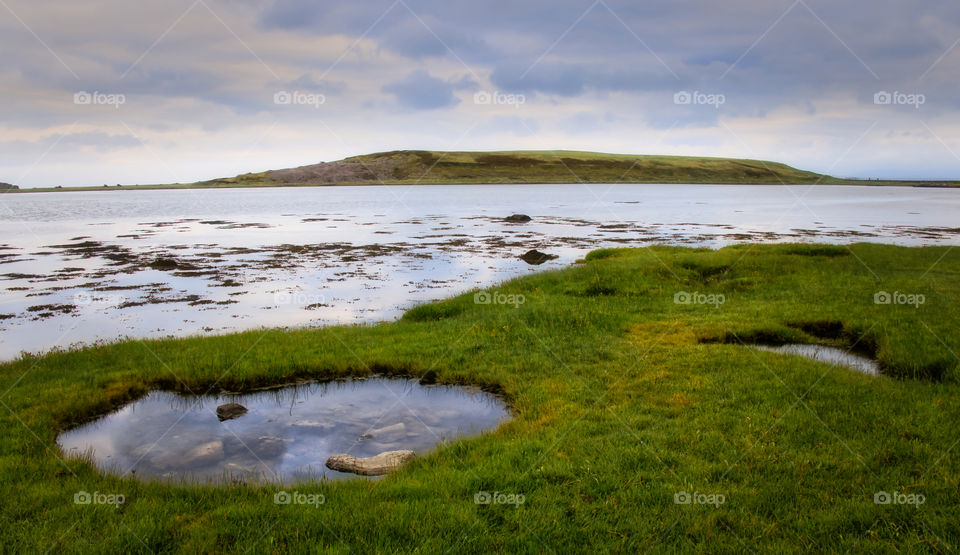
(642, 418)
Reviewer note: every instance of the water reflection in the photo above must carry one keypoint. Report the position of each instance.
(829, 355)
(287, 433)
(81, 267)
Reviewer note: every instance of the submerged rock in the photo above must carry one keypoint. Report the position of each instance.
(230, 411)
(203, 454)
(268, 447)
(518, 218)
(386, 430)
(536, 257)
(383, 463)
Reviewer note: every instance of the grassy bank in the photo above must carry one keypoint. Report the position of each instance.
(407, 167)
(624, 400)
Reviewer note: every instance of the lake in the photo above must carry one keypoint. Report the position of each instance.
(82, 267)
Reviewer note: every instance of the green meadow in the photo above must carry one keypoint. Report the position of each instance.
(644, 421)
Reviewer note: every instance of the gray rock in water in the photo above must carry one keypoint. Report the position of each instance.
(207, 453)
(229, 411)
(388, 430)
(383, 463)
(536, 257)
(267, 447)
(518, 218)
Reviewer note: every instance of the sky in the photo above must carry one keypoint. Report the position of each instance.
(108, 91)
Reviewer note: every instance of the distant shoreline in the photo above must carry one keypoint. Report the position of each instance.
(525, 167)
(203, 186)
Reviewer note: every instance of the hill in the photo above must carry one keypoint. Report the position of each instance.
(519, 166)
(558, 166)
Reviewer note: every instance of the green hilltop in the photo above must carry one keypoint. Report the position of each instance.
(550, 166)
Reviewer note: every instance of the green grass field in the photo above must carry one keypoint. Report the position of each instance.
(526, 166)
(625, 401)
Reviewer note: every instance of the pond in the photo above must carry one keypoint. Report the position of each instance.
(829, 355)
(285, 435)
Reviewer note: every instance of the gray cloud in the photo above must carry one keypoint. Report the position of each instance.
(421, 91)
(607, 78)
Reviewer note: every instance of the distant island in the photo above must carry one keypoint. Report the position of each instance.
(409, 167)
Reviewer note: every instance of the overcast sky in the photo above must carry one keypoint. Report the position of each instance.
(196, 89)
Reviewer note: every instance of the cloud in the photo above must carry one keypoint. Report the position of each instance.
(69, 145)
(593, 78)
(421, 91)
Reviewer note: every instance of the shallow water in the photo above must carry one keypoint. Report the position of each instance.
(829, 355)
(287, 433)
(81, 267)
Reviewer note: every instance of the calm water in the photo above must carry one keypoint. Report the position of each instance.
(77, 268)
(829, 355)
(286, 435)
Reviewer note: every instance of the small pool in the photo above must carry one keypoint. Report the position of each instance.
(829, 355)
(286, 434)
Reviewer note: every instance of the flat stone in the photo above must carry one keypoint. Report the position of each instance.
(383, 463)
(387, 430)
(204, 454)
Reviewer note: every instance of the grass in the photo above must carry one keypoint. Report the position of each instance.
(526, 166)
(564, 166)
(623, 399)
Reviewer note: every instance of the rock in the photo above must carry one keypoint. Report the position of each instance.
(398, 427)
(383, 463)
(229, 411)
(429, 378)
(517, 218)
(536, 257)
(306, 423)
(267, 447)
(203, 454)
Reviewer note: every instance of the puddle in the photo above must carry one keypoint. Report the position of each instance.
(286, 435)
(830, 355)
